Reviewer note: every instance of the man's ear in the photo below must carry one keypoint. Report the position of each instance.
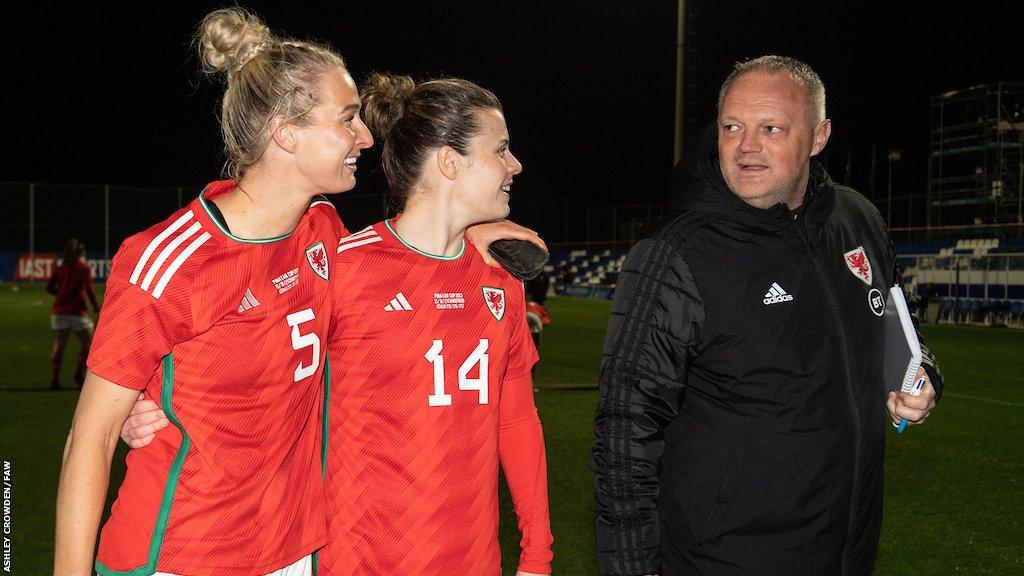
(283, 134)
(821, 134)
(448, 162)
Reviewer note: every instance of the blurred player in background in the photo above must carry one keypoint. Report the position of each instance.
(71, 283)
(537, 315)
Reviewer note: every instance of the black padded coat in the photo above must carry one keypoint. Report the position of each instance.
(742, 417)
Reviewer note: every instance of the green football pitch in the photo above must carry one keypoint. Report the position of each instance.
(954, 501)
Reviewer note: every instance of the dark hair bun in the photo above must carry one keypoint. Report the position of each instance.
(384, 97)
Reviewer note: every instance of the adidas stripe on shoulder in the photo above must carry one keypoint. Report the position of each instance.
(322, 200)
(365, 236)
(167, 246)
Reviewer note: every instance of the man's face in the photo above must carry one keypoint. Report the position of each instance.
(766, 138)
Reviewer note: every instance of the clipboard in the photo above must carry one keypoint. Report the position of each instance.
(902, 349)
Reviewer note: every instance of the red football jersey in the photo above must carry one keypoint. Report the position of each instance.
(71, 284)
(430, 385)
(228, 336)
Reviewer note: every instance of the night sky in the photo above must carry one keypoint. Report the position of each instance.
(98, 95)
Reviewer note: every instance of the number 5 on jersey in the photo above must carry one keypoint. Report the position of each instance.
(479, 356)
(300, 341)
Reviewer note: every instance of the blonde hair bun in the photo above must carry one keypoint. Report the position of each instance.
(230, 37)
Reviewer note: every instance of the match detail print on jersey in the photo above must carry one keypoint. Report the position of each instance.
(286, 281)
(449, 300)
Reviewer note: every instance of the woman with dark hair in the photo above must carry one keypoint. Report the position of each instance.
(431, 384)
(71, 283)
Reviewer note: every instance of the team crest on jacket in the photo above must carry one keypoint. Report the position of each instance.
(858, 263)
(495, 300)
(317, 258)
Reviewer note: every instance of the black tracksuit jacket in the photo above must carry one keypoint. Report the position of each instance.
(742, 415)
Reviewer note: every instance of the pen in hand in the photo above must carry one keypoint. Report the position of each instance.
(915, 391)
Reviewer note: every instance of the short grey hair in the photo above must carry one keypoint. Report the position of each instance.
(800, 72)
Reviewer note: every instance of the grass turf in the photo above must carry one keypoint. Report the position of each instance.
(954, 487)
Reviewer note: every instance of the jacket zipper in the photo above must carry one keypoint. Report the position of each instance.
(801, 231)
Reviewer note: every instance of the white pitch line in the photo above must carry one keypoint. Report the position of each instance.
(570, 385)
(980, 399)
(33, 304)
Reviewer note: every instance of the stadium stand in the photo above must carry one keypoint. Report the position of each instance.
(973, 281)
(976, 281)
(585, 274)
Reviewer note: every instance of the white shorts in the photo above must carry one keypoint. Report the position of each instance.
(70, 322)
(304, 567)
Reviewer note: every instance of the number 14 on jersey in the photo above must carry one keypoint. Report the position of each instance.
(479, 356)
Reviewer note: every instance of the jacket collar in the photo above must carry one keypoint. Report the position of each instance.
(697, 184)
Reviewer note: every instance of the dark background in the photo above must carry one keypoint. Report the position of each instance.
(101, 94)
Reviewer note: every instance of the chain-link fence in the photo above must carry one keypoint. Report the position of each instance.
(37, 218)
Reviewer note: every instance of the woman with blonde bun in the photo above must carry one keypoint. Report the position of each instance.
(432, 390)
(220, 315)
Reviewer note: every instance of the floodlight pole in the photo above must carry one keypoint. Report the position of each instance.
(680, 70)
(106, 221)
(31, 220)
(894, 156)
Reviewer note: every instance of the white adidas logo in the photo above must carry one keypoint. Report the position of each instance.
(398, 303)
(248, 301)
(776, 294)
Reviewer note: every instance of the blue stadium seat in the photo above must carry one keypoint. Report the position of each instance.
(1016, 311)
(963, 310)
(945, 309)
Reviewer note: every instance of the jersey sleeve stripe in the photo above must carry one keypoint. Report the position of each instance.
(350, 245)
(364, 233)
(156, 242)
(318, 202)
(166, 253)
(178, 262)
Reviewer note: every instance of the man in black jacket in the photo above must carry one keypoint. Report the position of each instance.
(743, 408)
